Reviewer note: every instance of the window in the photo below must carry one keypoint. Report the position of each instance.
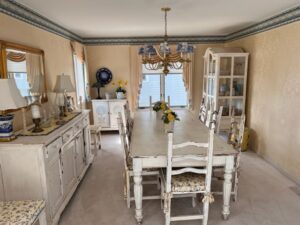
(80, 79)
(157, 85)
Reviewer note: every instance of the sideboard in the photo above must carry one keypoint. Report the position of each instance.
(47, 167)
(105, 112)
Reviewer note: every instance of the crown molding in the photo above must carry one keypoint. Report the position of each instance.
(21, 12)
(152, 40)
(286, 17)
(27, 15)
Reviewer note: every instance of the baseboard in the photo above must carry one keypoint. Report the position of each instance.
(278, 168)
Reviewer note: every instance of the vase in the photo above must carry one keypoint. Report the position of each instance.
(159, 115)
(6, 126)
(169, 127)
(120, 95)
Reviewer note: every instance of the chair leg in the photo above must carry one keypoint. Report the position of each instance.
(128, 189)
(236, 184)
(158, 182)
(125, 185)
(168, 211)
(205, 213)
(99, 140)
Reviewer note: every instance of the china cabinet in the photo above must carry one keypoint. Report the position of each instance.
(47, 167)
(225, 82)
(105, 112)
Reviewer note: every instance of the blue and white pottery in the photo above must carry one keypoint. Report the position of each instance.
(6, 126)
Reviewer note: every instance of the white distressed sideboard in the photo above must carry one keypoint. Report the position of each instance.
(105, 112)
(47, 167)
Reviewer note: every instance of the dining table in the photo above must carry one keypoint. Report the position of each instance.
(149, 144)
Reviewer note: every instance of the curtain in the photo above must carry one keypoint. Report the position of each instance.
(78, 50)
(16, 56)
(135, 77)
(33, 67)
(188, 71)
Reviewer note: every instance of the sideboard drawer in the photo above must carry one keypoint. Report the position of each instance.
(67, 135)
(86, 121)
(78, 127)
(53, 148)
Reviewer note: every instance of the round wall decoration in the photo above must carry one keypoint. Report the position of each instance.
(104, 76)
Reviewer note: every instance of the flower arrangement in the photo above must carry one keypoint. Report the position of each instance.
(121, 86)
(160, 105)
(169, 116)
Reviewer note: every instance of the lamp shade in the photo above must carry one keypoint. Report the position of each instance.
(38, 85)
(63, 83)
(10, 97)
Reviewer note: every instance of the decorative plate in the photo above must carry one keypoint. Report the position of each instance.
(104, 76)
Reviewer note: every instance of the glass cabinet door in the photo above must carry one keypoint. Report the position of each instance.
(239, 66)
(238, 87)
(224, 86)
(237, 107)
(225, 66)
(225, 104)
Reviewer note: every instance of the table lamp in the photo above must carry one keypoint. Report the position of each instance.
(38, 88)
(10, 98)
(62, 86)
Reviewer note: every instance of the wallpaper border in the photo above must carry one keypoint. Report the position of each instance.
(27, 15)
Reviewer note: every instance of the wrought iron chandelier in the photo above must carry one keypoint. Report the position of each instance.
(164, 58)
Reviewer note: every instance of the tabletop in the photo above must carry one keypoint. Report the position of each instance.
(149, 138)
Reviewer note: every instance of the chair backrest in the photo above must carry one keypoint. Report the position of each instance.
(128, 123)
(207, 160)
(218, 119)
(202, 112)
(124, 139)
(237, 132)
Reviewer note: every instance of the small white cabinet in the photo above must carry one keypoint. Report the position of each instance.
(105, 112)
(47, 167)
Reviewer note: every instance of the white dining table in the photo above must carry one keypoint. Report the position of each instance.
(148, 149)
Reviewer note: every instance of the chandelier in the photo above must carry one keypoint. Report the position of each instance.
(164, 58)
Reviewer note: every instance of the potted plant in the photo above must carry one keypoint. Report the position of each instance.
(120, 90)
(169, 118)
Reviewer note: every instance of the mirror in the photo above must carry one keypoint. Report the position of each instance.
(26, 66)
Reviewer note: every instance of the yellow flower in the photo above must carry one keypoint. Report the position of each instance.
(171, 117)
(168, 111)
(163, 106)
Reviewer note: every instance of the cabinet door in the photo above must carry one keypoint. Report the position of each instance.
(80, 155)
(115, 108)
(68, 166)
(101, 113)
(54, 184)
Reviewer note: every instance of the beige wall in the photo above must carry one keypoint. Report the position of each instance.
(58, 55)
(273, 104)
(117, 59)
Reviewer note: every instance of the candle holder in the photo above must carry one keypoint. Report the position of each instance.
(37, 125)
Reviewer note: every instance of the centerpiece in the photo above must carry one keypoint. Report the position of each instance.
(169, 118)
(159, 107)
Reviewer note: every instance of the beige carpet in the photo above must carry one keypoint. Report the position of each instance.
(265, 197)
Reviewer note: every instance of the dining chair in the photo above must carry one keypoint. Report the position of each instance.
(187, 180)
(128, 120)
(129, 167)
(202, 112)
(236, 139)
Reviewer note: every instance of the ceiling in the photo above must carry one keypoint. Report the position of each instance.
(140, 18)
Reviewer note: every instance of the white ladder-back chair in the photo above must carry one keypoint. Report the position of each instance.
(202, 112)
(188, 180)
(237, 140)
(129, 169)
(128, 121)
(217, 116)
